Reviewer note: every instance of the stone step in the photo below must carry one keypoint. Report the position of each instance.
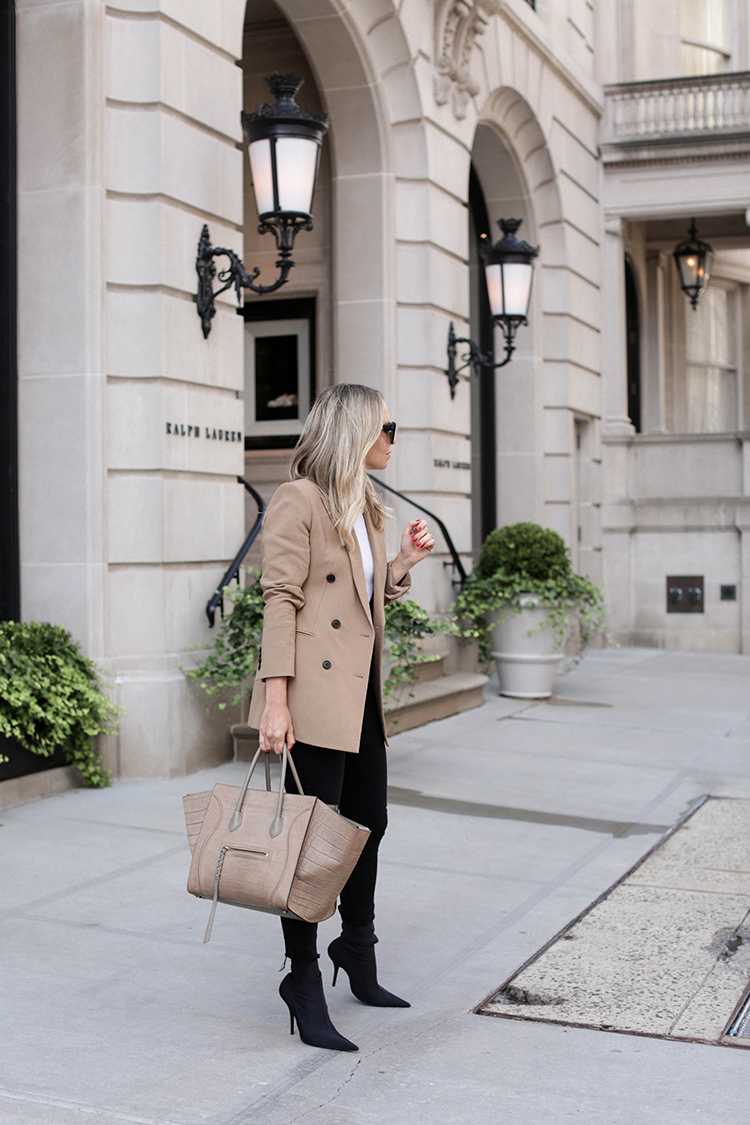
(428, 700)
(410, 706)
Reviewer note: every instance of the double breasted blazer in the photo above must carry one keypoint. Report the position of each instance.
(318, 630)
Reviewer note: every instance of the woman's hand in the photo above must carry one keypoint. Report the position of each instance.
(276, 722)
(416, 544)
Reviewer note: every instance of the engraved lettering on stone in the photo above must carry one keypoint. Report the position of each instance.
(177, 429)
(441, 463)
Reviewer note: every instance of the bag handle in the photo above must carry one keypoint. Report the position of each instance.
(277, 823)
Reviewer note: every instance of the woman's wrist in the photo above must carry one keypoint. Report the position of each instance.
(400, 567)
(276, 690)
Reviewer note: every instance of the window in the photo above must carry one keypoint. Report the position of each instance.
(278, 370)
(706, 43)
(704, 383)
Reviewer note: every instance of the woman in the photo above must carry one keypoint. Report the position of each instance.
(326, 582)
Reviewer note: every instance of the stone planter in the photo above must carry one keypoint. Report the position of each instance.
(526, 664)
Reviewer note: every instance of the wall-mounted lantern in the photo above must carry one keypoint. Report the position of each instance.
(509, 270)
(695, 261)
(283, 143)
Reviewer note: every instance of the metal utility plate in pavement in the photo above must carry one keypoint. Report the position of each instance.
(665, 952)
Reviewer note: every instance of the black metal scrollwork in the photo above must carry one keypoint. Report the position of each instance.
(235, 273)
(473, 357)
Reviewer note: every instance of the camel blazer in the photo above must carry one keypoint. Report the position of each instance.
(318, 630)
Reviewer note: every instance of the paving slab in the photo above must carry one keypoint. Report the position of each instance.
(663, 952)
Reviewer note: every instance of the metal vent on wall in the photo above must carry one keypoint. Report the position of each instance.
(685, 593)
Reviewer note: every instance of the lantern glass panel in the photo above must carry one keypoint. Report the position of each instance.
(260, 167)
(495, 289)
(296, 165)
(517, 279)
(695, 271)
(509, 288)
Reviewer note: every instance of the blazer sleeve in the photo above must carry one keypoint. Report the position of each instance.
(393, 589)
(286, 565)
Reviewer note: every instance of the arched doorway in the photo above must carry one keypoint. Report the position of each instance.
(339, 300)
(288, 335)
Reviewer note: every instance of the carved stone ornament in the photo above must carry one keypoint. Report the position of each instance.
(458, 24)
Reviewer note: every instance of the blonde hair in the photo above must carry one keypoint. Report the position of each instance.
(341, 429)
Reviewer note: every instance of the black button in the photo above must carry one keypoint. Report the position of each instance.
(336, 624)
(326, 664)
(330, 577)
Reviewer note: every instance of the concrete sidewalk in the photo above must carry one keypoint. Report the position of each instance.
(505, 822)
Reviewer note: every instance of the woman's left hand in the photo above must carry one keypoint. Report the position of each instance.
(416, 542)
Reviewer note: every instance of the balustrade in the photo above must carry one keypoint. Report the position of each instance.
(677, 108)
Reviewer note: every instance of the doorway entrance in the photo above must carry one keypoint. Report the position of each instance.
(481, 330)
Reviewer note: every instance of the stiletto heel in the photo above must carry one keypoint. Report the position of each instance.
(291, 1022)
(358, 962)
(302, 992)
(335, 974)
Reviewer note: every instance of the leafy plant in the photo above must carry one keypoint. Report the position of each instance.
(233, 662)
(51, 697)
(525, 558)
(523, 548)
(406, 624)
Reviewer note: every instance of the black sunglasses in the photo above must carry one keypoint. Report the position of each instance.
(390, 429)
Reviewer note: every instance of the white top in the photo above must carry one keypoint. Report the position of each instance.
(360, 530)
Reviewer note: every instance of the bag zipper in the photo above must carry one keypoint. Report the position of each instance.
(219, 865)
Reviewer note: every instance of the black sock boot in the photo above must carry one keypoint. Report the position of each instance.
(302, 992)
(354, 952)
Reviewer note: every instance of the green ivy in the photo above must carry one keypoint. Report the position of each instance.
(233, 659)
(406, 624)
(528, 559)
(51, 697)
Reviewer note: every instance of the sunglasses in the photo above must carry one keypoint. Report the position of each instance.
(390, 429)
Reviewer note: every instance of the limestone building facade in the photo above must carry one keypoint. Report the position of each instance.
(621, 420)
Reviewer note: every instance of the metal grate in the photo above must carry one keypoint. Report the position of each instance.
(740, 1028)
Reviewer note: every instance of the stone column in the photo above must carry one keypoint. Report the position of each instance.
(614, 354)
(130, 425)
(175, 512)
(432, 463)
(60, 316)
(655, 372)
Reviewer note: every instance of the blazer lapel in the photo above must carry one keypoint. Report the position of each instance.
(377, 546)
(358, 577)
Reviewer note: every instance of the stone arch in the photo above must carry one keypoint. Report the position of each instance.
(507, 111)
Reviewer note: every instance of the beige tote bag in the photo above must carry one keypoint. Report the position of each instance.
(283, 853)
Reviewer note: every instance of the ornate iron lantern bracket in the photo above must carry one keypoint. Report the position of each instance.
(473, 357)
(235, 273)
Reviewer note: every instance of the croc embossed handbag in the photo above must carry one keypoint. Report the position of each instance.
(283, 853)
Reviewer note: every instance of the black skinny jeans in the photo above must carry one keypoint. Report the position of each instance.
(357, 784)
